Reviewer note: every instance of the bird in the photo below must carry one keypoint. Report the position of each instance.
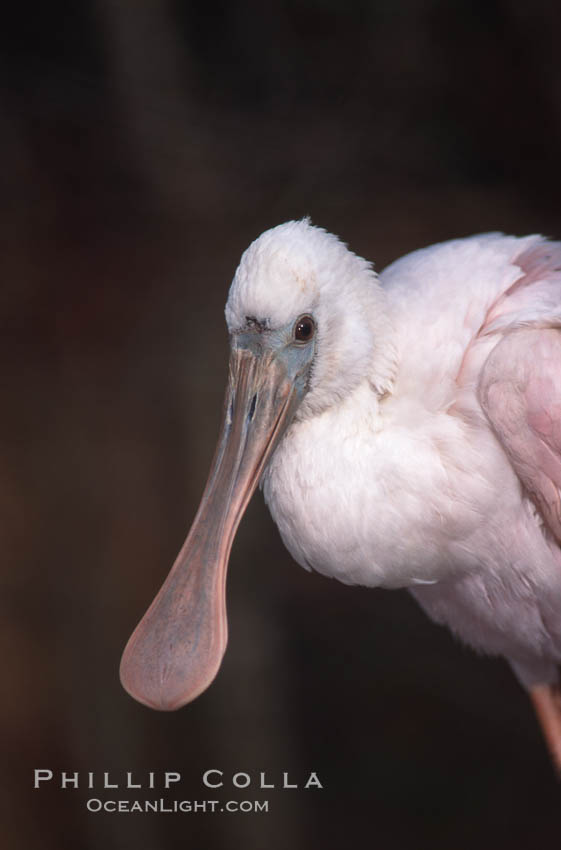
(405, 429)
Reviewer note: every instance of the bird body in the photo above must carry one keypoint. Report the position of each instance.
(412, 488)
(406, 430)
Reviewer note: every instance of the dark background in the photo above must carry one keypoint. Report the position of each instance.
(143, 145)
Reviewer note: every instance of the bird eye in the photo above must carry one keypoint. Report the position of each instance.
(304, 329)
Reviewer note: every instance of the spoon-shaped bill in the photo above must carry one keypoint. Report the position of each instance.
(176, 649)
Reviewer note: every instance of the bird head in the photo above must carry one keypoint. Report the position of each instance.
(308, 323)
(297, 272)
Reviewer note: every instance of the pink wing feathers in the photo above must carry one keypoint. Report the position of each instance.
(520, 382)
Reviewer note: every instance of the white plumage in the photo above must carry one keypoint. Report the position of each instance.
(413, 487)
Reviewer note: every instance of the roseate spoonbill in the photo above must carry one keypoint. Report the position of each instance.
(406, 430)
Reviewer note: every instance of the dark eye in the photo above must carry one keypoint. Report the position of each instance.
(304, 329)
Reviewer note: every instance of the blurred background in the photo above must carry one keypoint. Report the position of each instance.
(143, 145)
